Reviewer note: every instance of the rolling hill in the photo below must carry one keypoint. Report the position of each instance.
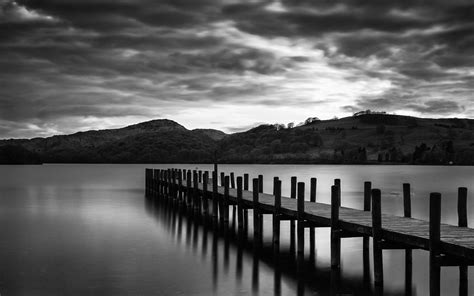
(367, 138)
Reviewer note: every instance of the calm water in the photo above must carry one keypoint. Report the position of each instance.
(87, 230)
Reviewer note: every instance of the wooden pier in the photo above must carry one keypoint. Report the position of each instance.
(203, 194)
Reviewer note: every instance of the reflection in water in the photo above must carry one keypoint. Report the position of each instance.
(228, 242)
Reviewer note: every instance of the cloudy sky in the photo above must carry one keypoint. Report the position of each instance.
(70, 65)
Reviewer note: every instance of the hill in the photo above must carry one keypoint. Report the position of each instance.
(368, 138)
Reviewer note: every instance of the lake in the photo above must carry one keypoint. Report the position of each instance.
(88, 230)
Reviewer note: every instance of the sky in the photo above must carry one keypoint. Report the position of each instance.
(74, 65)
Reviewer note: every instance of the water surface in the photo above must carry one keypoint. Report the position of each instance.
(88, 230)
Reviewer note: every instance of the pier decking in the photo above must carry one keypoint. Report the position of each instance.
(448, 245)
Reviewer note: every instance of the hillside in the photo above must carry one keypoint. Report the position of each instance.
(369, 138)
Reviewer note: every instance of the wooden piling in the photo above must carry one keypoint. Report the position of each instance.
(276, 219)
(226, 200)
(260, 183)
(246, 182)
(408, 252)
(377, 236)
(335, 230)
(240, 206)
(189, 195)
(256, 213)
(462, 222)
(434, 243)
(232, 180)
(292, 222)
(222, 178)
(180, 184)
(312, 234)
(214, 195)
(205, 194)
(196, 201)
(200, 176)
(301, 221)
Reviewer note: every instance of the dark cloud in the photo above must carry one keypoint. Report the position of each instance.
(98, 60)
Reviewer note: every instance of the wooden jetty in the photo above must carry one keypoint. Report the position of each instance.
(203, 194)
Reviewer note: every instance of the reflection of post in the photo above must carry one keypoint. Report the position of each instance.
(408, 252)
(335, 280)
(292, 222)
(462, 222)
(255, 271)
(312, 237)
(335, 237)
(215, 254)
(238, 264)
(277, 281)
(377, 236)
(435, 231)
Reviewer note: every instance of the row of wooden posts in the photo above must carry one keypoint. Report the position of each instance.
(169, 184)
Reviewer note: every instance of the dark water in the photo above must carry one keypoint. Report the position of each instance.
(88, 230)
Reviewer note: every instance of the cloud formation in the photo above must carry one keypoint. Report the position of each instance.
(70, 65)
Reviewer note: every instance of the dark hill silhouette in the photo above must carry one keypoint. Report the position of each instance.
(370, 138)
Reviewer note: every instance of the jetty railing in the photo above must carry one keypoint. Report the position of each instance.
(448, 245)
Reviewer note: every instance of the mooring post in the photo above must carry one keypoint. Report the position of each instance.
(408, 252)
(434, 243)
(377, 236)
(260, 183)
(312, 236)
(222, 178)
(300, 218)
(232, 180)
(335, 237)
(196, 201)
(292, 222)
(189, 189)
(180, 187)
(256, 213)
(226, 200)
(246, 182)
(365, 239)
(185, 174)
(276, 218)
(462, 222)
(215, 168)
(246, 213)
(240, 206)
(200, 176)
(214, 195)
(205, 200)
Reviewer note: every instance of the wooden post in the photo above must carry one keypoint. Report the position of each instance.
(222, 178)
(275, 180)
(214, 195)
(434, 243)
(215, 168)
(180, 186)
(232, 180)
(256, 214)
(185, 174)
(292, 222)
(276, 219)
(200, 176)
(189, 189)
(196, 200)
(335, 237)
(462, 222)
(173, 186)
(300, 217)
(312, 235)
(367, 192)
(240, 206)
(246, 182)
(408, 252)
(205, 200)
(260, 183)
(226, 200)
(377, 236)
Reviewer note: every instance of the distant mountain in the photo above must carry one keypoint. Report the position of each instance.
(367, 138)
(152, 141)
